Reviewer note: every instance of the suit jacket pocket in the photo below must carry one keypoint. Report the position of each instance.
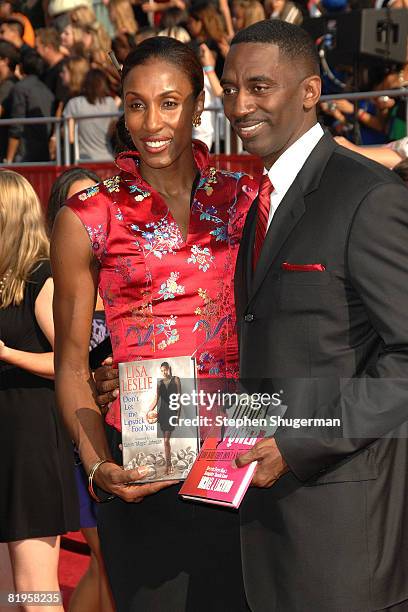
(361, 467)
(303, 291)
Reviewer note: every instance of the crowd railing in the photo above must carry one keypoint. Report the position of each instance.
(224, 142)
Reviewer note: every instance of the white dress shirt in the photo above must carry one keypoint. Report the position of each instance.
(287, 167)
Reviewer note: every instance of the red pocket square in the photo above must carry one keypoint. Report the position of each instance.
(303, 267)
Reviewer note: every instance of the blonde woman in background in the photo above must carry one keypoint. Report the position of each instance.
(38, 500)
(75, 37)
(122, 17)
(91, 42)
(246, 12)
(73, 74)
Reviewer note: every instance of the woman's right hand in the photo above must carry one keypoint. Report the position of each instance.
(114, 479)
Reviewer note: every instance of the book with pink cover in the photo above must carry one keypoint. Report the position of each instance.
(213, 478)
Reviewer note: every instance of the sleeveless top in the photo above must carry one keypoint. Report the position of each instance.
(165, 296)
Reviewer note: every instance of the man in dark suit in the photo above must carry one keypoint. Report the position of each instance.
(322, 307)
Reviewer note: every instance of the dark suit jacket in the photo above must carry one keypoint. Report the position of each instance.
(332, 534)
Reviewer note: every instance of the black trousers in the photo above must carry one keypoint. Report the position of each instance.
(167, 554)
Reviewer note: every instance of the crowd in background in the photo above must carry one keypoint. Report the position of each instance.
(54, 62)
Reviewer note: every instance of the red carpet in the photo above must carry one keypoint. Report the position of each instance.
(72, 564)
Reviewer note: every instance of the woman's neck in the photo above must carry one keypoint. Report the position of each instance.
(174, 179)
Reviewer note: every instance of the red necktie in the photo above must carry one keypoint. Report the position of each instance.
(264, 205)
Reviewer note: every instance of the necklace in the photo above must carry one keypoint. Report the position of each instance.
(3, 282)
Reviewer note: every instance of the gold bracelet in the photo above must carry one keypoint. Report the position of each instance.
(94, 468)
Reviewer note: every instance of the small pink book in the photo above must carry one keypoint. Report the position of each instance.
(213, 479)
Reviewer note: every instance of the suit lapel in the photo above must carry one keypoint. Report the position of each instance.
(243, 268)
(290, 210)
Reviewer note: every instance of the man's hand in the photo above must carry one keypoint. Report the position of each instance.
(107, 383)
(271, 464)
(114, 479)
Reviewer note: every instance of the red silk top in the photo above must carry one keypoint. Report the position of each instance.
(163, 296)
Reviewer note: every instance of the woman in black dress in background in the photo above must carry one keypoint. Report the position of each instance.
(38, 499)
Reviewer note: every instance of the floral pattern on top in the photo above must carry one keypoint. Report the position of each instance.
(170, 288)
(201, 256)
(165, 296)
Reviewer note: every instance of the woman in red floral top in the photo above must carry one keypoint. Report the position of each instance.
(160, 240)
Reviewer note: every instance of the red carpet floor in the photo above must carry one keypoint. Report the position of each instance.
(72, 565)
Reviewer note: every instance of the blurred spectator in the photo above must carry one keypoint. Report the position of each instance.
(82, 15)
(122, 17)
(59, 11)
(246, 12)
(34, 11)
(205, 131)
(400, 147)
(76, 37)
(155, 9)
(144, 33)
(93, 134)
(47, 44)
(92, 592)
(101, 11)
(7, 12)
(30, 98)
(176, 32)
(172, 25)
(205, 25)
(93, 43)
(389, 155)
(174, 17)
(396, 116)
(9, 58)
(98, 55)
(12, 31)
(122, 45)
(398, 4)
(285, 10)
(38, 501)
(73, 74)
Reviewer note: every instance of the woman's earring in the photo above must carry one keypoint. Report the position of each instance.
(196, 121)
